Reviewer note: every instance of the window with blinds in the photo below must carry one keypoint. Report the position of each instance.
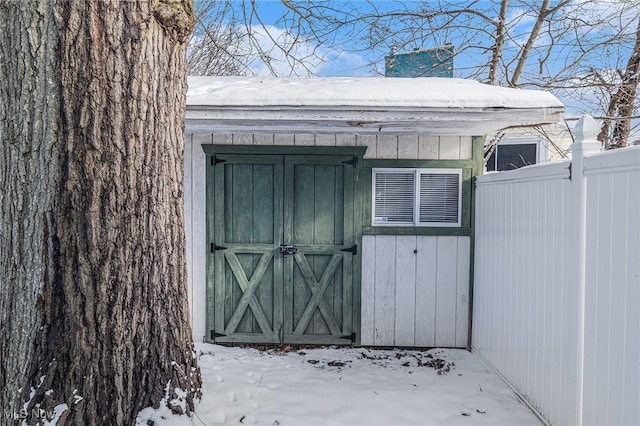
(417, 197)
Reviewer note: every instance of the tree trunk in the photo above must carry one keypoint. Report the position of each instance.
(501, 29)
(526, 50)
(93, 304)
(621, 104)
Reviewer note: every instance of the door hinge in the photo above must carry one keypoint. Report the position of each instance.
(214, 334)
(353, 162)
(215, 247)
(351, 337)
(353, 249)
(217, 160)
(570, 172)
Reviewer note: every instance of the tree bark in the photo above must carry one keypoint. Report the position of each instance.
(621, 104)
(93, 306)
(501, 30)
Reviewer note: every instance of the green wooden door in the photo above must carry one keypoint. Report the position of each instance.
(284, 249)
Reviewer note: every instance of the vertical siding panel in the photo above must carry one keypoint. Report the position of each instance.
(221, 139)
(446, 291)
(405, 306)
(408, 147)
(449, 147)
(283, 139)
(426, 291)
(466, 147)
(198, 270)
(368, 289)
(370, 142)
(304, 139)
(462, 292)
(325, 140)
(263, 139)
(188, 140)
(428, 147)
(385, 273)
(387, 146)
(243, 139)
(345, 140)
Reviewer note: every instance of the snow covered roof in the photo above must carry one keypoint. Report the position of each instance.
(362, 92)
(366, 104)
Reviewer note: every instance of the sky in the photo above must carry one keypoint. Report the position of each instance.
(344, 60)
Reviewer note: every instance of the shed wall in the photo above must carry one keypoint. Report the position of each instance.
(448, 284)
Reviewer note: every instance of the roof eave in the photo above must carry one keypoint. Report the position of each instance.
(394, 120)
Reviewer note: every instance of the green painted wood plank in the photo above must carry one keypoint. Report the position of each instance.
(427, 164)
(466, 198)
(218, 237)
(278, 235)
(347, 301)
(303, 218)
(285, 150)
(360, 182)
(263, 222)
(340, 219)
(318, 289)
(242, 232)
(310, 339)
(228, 280)
(246, 338)
(248, 288)
(417, 230)
(287, 238)
(250, 248)
(254, 159)
(324, 231)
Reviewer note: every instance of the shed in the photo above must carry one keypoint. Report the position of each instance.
(338, 210)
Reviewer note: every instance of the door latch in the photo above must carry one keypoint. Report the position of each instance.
(288, 249)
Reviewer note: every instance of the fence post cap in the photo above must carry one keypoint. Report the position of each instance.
(586, 136)
(586, 129)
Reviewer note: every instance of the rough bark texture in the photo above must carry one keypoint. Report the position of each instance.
(93, 305)
(622, 102)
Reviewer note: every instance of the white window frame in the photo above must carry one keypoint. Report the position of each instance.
(416, 197)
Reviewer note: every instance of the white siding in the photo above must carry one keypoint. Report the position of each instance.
(415, 290)
(195, 230)
(527, 317)
(411, 147)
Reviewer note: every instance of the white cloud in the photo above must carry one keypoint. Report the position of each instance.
(281, 54)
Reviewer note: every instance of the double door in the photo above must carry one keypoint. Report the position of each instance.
(283, 249)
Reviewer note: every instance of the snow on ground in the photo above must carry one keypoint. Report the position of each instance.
(350, 386)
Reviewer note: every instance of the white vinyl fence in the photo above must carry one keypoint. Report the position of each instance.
(557, 283)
